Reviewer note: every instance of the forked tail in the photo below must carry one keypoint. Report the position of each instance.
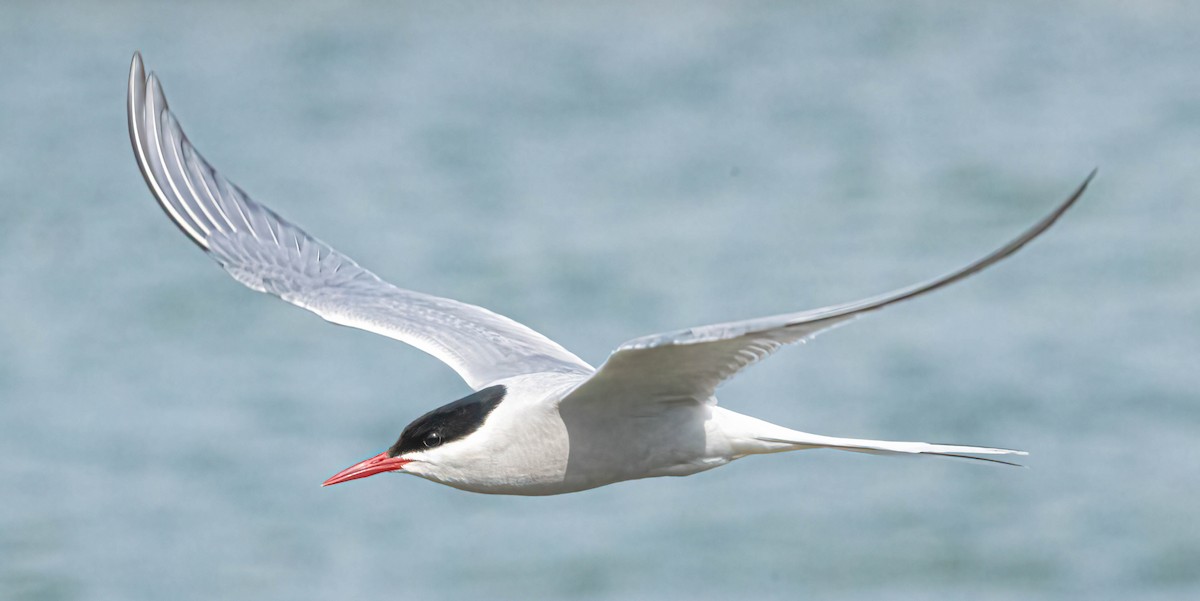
(747, 435)
(804, 440)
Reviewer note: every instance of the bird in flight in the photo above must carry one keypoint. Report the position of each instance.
(540, 421)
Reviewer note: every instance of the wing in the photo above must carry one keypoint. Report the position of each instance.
(689, 365)
(265, 252)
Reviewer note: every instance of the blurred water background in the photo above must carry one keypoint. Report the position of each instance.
(599, 173)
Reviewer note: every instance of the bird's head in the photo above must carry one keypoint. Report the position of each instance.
(429, 439)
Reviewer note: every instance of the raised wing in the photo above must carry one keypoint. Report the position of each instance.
(265, 252)
(689, 365)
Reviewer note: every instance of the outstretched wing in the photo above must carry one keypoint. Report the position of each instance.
(689, 365)
(265, 252)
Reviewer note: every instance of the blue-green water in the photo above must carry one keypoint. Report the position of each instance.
(603, 173)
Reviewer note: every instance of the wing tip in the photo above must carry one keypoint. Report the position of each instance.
(137, 92)
(1076, 194)
(145, 96)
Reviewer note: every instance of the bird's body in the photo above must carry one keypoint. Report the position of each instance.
(541, 420)
(534, 443)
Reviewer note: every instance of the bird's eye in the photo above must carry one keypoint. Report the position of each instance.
(433, 439)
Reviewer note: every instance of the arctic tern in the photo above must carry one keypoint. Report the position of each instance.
(541, 420)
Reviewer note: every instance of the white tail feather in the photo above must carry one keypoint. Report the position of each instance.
(804, 440)
(748, 436)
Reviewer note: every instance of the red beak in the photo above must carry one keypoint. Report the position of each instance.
(377, 464)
